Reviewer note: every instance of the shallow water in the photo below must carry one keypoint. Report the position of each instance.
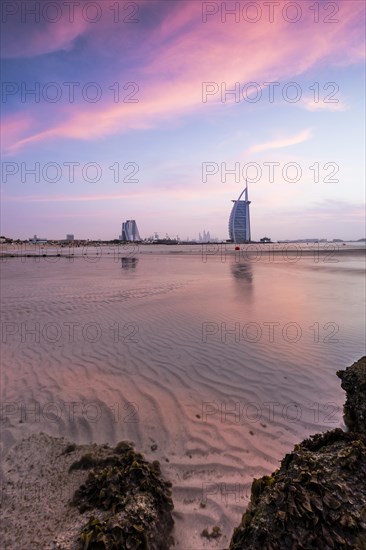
(223, 362)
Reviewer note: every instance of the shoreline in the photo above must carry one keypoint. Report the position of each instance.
(291, 252)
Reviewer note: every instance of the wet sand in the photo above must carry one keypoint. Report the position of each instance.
(216, 365)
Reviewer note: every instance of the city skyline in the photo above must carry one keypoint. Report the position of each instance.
(127, 116)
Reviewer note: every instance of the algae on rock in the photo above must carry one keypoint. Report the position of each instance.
(131, 504)
(317, 498)
(354, 384)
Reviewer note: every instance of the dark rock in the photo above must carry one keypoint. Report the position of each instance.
(354, 384)
(129, 505)
(215, 534)
(317, 498)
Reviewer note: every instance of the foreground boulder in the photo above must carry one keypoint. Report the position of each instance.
(129, 505)
(354, 384)
(317, 498)
(61, 496)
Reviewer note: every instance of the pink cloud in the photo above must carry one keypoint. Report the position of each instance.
(315, 106)
(281, 142)
(38, 28)
(182, 52)
(29, 40)
(170, 190)
(13, 128)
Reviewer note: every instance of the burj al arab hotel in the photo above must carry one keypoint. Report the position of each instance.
(239, 221)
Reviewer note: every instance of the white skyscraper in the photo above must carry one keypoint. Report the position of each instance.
(130, 231)
(239, 221)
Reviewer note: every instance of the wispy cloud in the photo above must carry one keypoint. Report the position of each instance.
(280, 143)
(170, 70)
(69, 198)
(167, 189)
(315, 106)
(40, 38)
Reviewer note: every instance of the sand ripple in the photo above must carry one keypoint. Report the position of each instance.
(124, 357)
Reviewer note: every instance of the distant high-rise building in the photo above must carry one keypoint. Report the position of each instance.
(239, 221)
(205, 237)
(39, 240)
(70, 237)
(130, 231)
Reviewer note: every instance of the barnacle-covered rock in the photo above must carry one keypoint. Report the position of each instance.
(61, 496)
(129, 505)
(317, 498)
(354, 383)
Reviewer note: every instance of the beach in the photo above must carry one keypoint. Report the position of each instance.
(213, 361)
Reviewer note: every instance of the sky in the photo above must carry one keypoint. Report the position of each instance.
(160, 111)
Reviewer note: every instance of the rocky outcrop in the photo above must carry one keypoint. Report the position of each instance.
(354, 384)
(317, 498)
(126, 501)
(61, 496)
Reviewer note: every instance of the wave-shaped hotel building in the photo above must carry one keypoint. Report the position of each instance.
(130, 233)
(239, 221)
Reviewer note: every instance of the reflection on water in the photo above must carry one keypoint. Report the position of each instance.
(129, 263)
(242, 272)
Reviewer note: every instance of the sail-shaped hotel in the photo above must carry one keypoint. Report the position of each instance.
(239, 221)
